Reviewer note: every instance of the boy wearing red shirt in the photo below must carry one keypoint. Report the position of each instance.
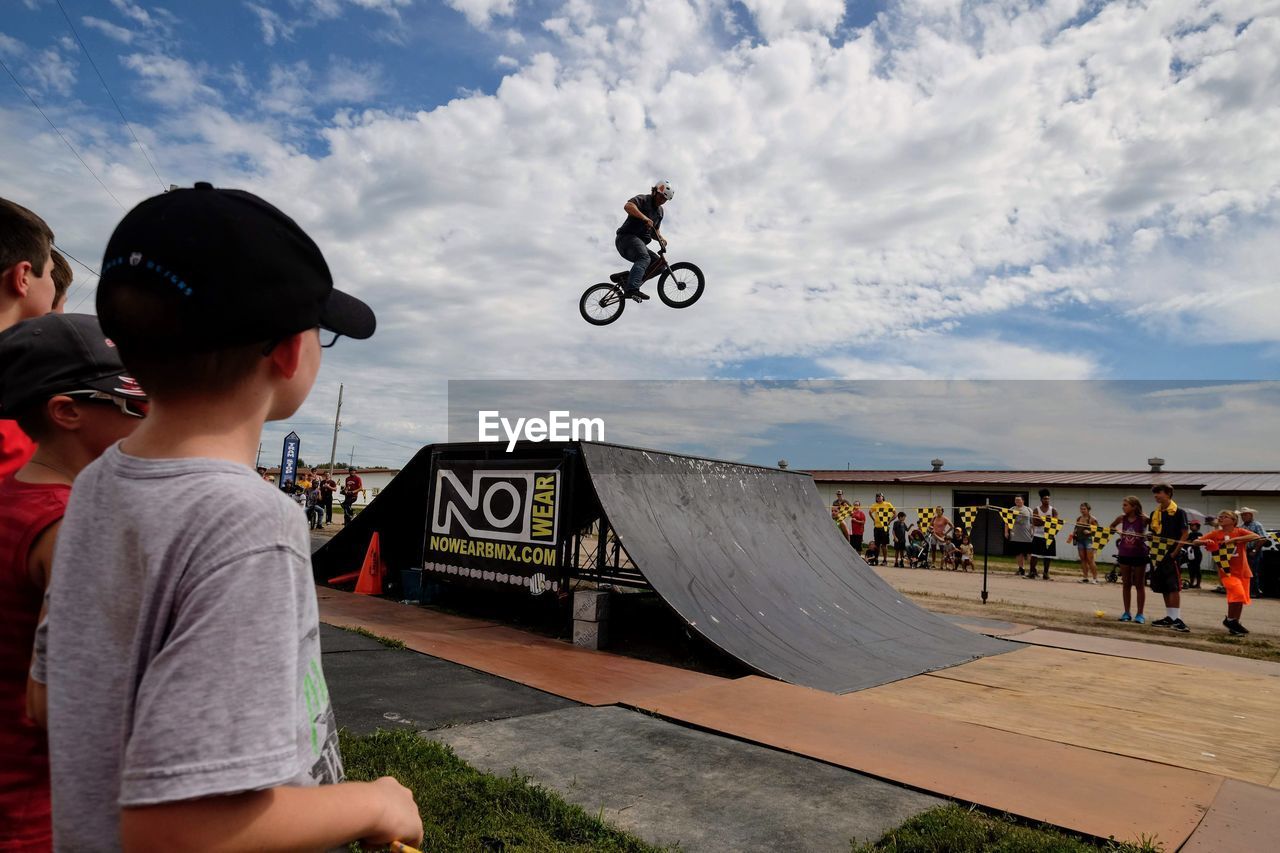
(1237, 579)
(64, 383)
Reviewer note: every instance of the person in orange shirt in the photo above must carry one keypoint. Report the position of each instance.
(1236, 580)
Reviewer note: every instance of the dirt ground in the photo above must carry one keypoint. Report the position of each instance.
(1065, 603)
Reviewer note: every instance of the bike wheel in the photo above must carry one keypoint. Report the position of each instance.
(681, 285)
(601, 304)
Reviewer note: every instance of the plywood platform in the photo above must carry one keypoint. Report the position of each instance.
(1201, 719)
(1147, 651)
(593, 678)
(1080, 789)
(1244, 818)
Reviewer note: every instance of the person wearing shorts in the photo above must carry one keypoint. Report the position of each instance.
(899, 540)
(1018, 535)
(1131, 556)
(1042, 547)
(1170, 524)
(882, 514)
(1082, 536)
(1236, 580)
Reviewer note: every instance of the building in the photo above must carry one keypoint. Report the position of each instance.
(1206, 492)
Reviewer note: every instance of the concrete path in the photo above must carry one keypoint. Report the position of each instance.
(669, 784)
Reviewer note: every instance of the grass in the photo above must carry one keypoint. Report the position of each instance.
(466, 810)
(954, 829)
(389, 642)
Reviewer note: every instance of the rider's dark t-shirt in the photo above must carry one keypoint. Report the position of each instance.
(634, 227)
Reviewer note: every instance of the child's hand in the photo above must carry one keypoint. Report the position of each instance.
(400, 820)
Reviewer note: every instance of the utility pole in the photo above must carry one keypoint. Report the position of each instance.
(333, 449)
(351, 461)
(258, 462)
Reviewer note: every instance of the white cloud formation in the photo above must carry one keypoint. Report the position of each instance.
(950, 162)
(124, 35)
(479, 13)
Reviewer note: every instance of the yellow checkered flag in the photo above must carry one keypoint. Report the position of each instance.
(882, 517)
(1159, 548)
(1008, 515)
(1052, 527)
(968, 515)
(1222, 556)
(841, 512)
(1101, 536)
(923, 515)
(1275, 534)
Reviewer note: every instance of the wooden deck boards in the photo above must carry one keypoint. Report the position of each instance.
(1147, 651)
(1081, 789)
(1243, 818)
(593, 678)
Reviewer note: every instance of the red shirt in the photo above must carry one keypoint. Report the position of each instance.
(352, 484)
(15, 447)
(29, 509)
(858, 520)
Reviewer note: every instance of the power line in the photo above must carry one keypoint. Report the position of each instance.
(383, 440)
(94, 65)
(60, 136)
(74, 286)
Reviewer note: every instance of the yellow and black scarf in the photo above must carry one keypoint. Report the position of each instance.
(1157, 517)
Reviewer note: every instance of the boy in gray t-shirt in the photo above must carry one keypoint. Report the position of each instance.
(186, 701)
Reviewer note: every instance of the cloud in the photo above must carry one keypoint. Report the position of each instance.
(124, 35)
(775, 18)
(52, 71)
(170, 81)
(479, 13)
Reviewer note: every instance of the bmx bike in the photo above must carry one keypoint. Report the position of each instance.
(679, 286)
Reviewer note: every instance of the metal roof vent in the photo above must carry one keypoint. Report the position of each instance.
(1156, 463)
(937, 464)
(782, 463)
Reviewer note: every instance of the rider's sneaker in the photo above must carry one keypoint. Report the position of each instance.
(638, 295)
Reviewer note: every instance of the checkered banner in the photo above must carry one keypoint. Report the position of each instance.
(1222, 556)
(841, 512)
(1159, 548)
(923, 515)
(882, 517)
(1101, 536)
(1052, 527)
(1007, 514)
(968, 515)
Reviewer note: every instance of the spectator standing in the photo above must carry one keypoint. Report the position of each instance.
(939, 527)
(882, 515)
(857, 526)
(1082, 536)
(840, 511)
(27, 290)
(315, 505)
(327, 488)
(215, 299)
(64, 383)
(1254, 550)
(1043, 547)
(1131, 556)
(899, 539)
(1018, 534)
(351, 487)
(1170, 524)
(965, 550)
(1236, 579)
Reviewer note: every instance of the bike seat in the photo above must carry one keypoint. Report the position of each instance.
(619, 277)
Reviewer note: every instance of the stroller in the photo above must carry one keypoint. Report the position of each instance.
(918, 553)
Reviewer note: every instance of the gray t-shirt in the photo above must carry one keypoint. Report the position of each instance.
(633, 227)
(1021, 528)
(183, 648)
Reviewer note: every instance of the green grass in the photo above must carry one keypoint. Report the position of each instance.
(466, 810)
(954, 829)
(389, 642)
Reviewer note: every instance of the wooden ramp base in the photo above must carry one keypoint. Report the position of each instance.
(1244, 818)
(1084, 790)
(592, 678)
(1148, 651)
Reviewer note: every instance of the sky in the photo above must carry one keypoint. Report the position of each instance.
(1056, 190)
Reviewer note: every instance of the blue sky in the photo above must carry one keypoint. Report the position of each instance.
(977, 190)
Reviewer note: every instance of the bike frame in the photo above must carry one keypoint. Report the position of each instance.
(657, 266)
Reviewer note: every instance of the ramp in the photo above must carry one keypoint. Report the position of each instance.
(748, 557)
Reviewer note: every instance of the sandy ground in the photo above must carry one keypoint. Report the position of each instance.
(1066, 603)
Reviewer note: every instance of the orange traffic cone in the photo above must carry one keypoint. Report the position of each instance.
(370, 582)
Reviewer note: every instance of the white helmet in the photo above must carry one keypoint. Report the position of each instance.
(665, 189)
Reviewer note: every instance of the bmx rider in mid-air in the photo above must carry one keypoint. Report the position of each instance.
(644, 219)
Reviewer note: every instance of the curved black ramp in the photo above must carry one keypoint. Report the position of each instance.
(750, 559)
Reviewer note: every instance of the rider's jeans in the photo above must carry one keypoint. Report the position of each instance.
(634, 250)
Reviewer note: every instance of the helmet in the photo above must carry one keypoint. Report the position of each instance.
(664, 187)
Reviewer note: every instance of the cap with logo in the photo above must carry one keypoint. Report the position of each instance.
(228, 269)
(57, 354)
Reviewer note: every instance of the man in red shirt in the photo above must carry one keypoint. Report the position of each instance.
(63, 381)
(350, 488)
(27, 289)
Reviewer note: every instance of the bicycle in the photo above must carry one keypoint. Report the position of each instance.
(679, 286)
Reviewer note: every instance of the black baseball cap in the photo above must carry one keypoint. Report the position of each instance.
(57, 354)
(228, 269)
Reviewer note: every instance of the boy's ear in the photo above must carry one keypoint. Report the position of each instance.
(13, 281)
(63, 414)
(286, 356)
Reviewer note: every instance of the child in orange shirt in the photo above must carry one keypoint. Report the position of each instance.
(1236, 580)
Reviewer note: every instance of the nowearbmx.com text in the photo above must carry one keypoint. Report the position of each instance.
(558, 426)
